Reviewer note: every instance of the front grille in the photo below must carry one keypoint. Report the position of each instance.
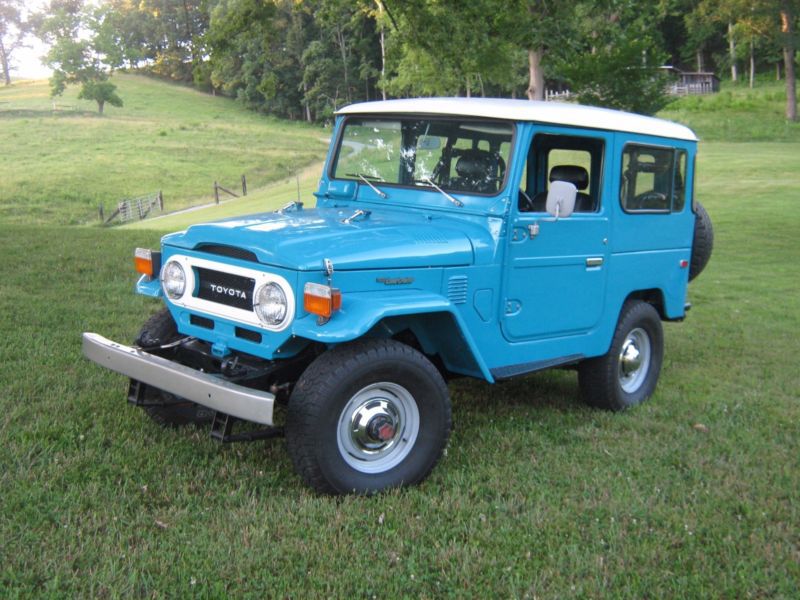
(228, 251)
(225, 288)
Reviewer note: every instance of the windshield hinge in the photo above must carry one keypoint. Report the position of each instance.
(357, 215)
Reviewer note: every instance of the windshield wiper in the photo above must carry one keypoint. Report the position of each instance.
(430, 182)
(363, 178)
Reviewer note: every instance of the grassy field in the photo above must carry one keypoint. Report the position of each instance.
(61, 165)
(737, 114)
(694, 494)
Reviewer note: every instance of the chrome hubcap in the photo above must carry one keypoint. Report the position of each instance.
(378, 427)
(634, 360)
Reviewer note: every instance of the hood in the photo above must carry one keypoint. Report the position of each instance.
(301, 240)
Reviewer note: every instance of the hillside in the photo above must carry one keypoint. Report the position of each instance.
(737, 114)
(59, 165)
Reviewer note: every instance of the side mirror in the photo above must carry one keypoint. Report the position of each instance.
(561, 199)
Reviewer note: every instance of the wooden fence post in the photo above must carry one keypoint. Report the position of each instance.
(102, 217)
(160, 201)
(244, 185)
(216, 192)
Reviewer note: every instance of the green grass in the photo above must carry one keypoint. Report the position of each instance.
(267, 198)
(62, 165)
(737, 114)
(537, 495)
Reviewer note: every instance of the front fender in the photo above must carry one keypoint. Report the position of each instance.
(362, 311)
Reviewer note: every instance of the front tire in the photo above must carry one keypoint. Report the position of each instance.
(367, 416)
(627, 374)
(162, 407)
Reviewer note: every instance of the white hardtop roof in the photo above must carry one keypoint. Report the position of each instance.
(560, 113)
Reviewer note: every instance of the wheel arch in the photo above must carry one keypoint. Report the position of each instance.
(440, 336)
(653, 296)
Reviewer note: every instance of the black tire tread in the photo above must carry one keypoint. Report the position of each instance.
(315, 383)
(161, 329)
(702, 242)
(597, 377)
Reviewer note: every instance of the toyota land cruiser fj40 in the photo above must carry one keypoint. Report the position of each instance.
(451, 237)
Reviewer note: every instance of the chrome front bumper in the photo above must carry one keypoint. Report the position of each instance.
(202, 388)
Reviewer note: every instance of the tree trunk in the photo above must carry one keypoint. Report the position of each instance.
(305, 102)
(752, 63)
(787, 28)
(100, 105)
(4, 63)
(777, 71)
(343, 48)
(189, 32)
(469, 88)
(699, 57)
(383, 54)
(535, 74)
(732, 52)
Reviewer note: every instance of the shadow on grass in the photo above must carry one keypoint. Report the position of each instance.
(554, 390)
(45, 112)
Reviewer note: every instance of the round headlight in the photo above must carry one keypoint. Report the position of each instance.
(270, 304)
(173, 280)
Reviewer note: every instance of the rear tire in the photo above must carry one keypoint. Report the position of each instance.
(162, 407)
(627, 374)
(367, 416)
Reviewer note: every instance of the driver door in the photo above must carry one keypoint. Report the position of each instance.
(556, 269)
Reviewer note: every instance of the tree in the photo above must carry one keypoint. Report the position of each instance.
(544, 30)
(788, 14)
(765, 20)
(614, 76)
(615, 57)
(12, 30)
(448, 46)
(74, 56)
(101, 92)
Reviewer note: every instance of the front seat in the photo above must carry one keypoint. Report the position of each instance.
(478, 171)
(577, 176)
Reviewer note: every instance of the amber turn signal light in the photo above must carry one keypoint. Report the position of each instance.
(147, 262)
(322, 300)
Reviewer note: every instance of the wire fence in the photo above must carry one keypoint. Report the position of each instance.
(135, 209)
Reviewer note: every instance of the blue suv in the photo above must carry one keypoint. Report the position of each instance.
(451, 237)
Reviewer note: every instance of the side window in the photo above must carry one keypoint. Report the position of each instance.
(653, 179)
(577, 160)
(679, 193)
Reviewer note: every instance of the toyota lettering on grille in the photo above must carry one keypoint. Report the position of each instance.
(225, 288)
(228, 291)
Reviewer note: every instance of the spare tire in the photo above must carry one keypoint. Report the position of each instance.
(703, 242)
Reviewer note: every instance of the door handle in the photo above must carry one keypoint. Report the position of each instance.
(594, 261)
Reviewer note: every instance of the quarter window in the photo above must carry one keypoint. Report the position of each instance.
(653, 179)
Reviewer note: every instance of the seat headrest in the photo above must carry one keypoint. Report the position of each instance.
(577, 176)
(475, 164)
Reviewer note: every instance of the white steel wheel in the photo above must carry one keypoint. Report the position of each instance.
(378, 427)
(627, 374)
(634, 360)
(367, 416)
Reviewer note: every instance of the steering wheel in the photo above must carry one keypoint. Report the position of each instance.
(527, 199)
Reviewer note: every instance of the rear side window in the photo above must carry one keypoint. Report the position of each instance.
(653, 179)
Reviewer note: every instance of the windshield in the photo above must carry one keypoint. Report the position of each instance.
(455, 155)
